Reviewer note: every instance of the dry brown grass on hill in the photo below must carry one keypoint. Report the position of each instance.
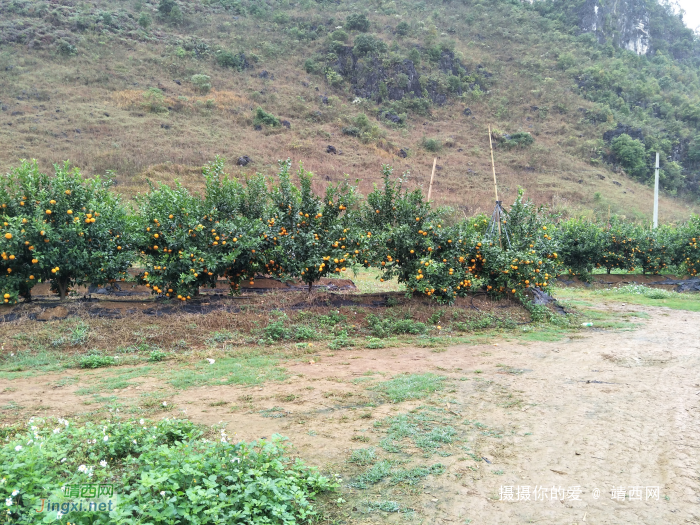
(91, 109)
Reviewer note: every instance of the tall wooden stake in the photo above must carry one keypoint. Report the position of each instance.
(495, 186)
(432, 176)
(656, 193)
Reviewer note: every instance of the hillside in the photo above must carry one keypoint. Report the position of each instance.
(155, 89)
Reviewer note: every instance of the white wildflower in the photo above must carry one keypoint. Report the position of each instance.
(8, 502)
(103, 463)
(63, 460)
(141, 422)
(162, 493)
(82, 468)
(56, 430)
(15, 492)
(59, 515)
(211, 361)
(106, 438)
(165, 404)
(18, 448)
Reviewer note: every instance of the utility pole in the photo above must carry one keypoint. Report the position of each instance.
(656, 193)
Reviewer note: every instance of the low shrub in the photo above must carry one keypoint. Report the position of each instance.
(357, 22)
(96, 361)
(262, 117)
(432, 145)
(159, 473)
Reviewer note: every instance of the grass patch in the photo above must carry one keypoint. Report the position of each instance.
(373, 475)
(274, 412)
(41, 361)
(415, 475)
(385, 327)
(410, 386)
(542, 336)
(426, 428)
(634, 294)
(96, 361)
(384, 506)
(118, 381)
(363, 456)
(229, 371)
(367, 281)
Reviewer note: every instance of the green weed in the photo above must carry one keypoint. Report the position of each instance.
(410, 386)
(228, 371)
(363, 456)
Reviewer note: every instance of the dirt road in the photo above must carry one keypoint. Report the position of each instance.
(610, 413)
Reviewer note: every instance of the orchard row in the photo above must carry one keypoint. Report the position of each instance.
(70, 230)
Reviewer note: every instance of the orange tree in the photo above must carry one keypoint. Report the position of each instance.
(688, 253)
(579, 242)
(242, 229)
(408, 240)
(529, 260)
(619, 246)
(189, 241)
(655, 248)
(67, 230)
(318, 236)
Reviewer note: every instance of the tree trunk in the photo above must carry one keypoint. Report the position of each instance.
(62, 286)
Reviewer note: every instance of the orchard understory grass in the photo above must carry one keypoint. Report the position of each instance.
(634, 294)
(250, 346)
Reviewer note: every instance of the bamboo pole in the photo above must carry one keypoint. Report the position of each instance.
(656, 193)
(495, 186)
(493, 165)
(432, 176)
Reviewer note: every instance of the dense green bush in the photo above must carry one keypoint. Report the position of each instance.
(228, 59)
(519, 139)
(402, 29)
(631, 154)
(432, 145)
(263, 117)
(357, 22)
(580, 243)
(365, 44)
(201, 82)
(160, 472)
